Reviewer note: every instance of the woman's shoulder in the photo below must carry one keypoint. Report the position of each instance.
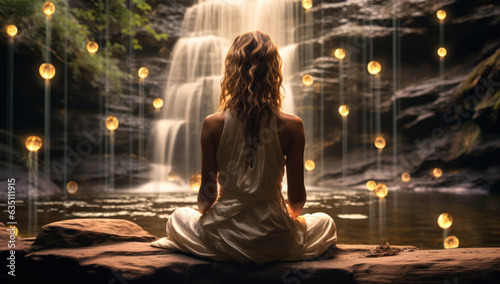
(289, 120)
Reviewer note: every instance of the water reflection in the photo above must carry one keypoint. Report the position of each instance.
(412, 223)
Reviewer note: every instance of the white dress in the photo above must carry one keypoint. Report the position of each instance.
(249, 221)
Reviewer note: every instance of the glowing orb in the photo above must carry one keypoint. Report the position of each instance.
(381, 190)
(143, 72)
(307, 80)
(12, 30)
(441, 14)
(371, 184)
(307, 4)
(195, 182)
(445, 220)
(309, 165)
(72, 187)
(450, 242)
(33, 143)
(92, 47)
(344, 110)
(437, 172)
(405, 177)
(172, 176)
(442, 52)
(16, 231)
(379, 142)
(47, 71)
(374, 67)
(111, 123)
(48, 8)
(339, 53)
(157, 103)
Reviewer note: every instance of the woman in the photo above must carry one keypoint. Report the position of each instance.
(244, 149)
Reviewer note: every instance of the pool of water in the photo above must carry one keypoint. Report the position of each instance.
(403, 218)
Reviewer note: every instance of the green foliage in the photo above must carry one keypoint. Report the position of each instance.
(73, 28)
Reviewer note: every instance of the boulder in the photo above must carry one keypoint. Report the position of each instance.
(87, 232)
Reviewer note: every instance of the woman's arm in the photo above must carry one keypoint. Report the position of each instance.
(208, 189)
(295, 168)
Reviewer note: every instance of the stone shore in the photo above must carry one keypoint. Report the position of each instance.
(118, 251)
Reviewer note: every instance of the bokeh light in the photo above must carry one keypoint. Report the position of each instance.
(92, 47)
(309, 165)
(442, 52)
(379, 143)
(450, 242)
(33, 143)
(381, 190)
(143, 72)
(195, 182)
(48, 8)
(157, 103)
(12, 30)
(371, 184)
(307, 4)
(47, 71)
(344, 110)
(441, 14)
(374, 67)
(339, 53)
(437, 172)
(172, 176)
(16, 231)
(307, 80)
(72, 187)
(406, 177)
(111, 123)
(445, 220)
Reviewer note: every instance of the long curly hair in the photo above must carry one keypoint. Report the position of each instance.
(252, 83)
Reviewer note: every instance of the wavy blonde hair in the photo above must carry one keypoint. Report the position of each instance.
(252, 82)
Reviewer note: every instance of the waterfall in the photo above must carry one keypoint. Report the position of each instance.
(193, 85)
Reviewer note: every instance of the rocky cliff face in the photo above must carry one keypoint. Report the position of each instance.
(449, 122)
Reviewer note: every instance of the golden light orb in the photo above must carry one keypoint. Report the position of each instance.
(406, 177)
(374, 67)
(344, 110)
(47, 71)
(92, 47)
(381, 190)
(339, 53)
(441, 14)
(157, 103)
(437, 172)
(370, 185)
(307, 4)
(12, 30)
(16, 231)
(143, 72)
(195, 182)
(33, 143)
(172, 176)
(379, 143)
(309, 165)
(445, 220)
(72, 187)
(111, 123)
(307, 80)
(48, 8)
(442, 52)
(450, 242)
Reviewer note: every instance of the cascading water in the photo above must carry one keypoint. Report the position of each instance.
(193, 86)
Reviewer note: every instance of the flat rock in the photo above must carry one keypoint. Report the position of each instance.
(137, 262)
(86, 232)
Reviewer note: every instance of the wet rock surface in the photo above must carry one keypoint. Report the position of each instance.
(132, 261)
